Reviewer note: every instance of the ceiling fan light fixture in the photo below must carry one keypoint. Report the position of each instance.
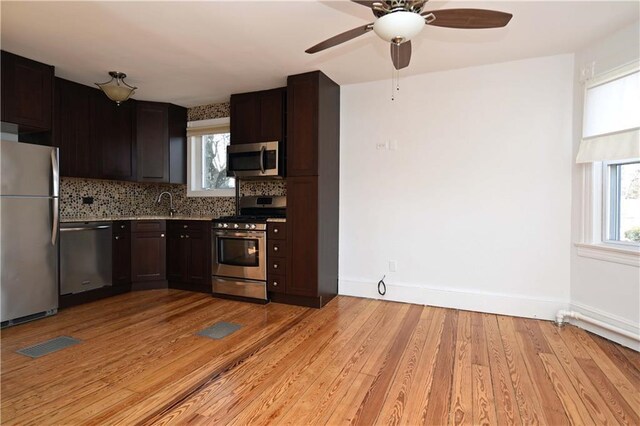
(399, 27)
(117, 89)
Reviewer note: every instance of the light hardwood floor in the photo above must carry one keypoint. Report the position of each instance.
(357, 360)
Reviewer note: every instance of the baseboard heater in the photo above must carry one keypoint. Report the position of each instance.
(562, 315)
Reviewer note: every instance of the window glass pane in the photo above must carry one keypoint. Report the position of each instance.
(625, 203)
(612, 106)
(214, 162)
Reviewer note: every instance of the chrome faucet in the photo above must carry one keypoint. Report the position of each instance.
(171, 209)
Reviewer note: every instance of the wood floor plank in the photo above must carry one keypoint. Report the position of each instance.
(484, 412)
(530, 347)
(506, 406)
(589, 395)
(420, 390)
(374, 399)
(631, 355)
(574, 407)
(461, 412)
(623, 412)
(628, 390)
(354, 361)
(439, 401)
(529, 405)
(616, 356)
(317, 403)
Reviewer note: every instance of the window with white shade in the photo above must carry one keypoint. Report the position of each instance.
(207, 153)
(610, 148)
(611, 122)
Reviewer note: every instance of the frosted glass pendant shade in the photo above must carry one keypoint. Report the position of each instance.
(401, 26)
(116, 89)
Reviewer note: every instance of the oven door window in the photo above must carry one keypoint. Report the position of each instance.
(238, 251)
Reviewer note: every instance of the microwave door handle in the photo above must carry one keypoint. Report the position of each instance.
(262, 151)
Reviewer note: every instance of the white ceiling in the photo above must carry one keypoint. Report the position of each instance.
(193, 53)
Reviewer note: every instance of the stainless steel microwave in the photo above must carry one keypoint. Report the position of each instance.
(255, 160)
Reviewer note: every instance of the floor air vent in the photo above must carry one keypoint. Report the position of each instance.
(53, 345)
(219, 330)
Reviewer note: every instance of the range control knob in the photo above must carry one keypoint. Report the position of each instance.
(224, 225)
(253, 226)
(235, 225)
(247, 226)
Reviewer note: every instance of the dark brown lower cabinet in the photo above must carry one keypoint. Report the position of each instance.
(121, 256)
(189, 255)
(302, 229)
(277, 258)
(148, 253)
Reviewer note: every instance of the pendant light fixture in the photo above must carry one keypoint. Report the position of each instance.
(117, 89)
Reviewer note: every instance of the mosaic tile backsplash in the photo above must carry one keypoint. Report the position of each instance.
(206, 112)
(114, 198)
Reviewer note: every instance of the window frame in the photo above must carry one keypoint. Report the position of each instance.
(610, 193)
(593, 239)
(194, 171)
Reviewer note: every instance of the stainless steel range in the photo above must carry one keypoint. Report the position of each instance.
(239, 248)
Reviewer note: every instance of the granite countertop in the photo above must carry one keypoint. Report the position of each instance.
(143, 217)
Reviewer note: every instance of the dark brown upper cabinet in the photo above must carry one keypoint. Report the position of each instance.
(161, 142)
(27, 93)
(113, 134)
(152, 137)
(258, 116)
(95, 136)
(303, 131)
(72, 129)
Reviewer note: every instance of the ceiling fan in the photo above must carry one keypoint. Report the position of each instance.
(398, 21)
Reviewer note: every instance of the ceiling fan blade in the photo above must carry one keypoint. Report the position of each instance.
(468, 18)
(340, 38)
(401, 54)
(364, 3)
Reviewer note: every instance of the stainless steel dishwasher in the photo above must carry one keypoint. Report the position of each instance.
(85, 256)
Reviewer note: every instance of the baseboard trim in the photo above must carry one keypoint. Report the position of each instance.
(494, 303)
(611, 319)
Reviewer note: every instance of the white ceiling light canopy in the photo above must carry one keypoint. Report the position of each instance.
(117, 89)
(398, 27)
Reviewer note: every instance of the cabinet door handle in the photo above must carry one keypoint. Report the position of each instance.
(275, 283)
(121, 226)
(275, 248)
(181, 236)
(186, 236)
(161, 235)
(117, 237)
(275, 266)
(184, 226)
(275, 230)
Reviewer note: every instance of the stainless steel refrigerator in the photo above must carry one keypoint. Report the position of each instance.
(29, 213)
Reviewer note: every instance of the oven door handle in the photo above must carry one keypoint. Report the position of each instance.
(251, 234)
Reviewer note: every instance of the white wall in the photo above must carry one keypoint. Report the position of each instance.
(604, 290)
(475, 203)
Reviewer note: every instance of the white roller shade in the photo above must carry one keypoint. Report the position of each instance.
(612, 146)
(611, 125)
(207, 127)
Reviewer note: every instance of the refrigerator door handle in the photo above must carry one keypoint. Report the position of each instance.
(54, 227)
(55, 168)
(55, 176)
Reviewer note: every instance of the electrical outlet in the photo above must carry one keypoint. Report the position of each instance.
(393, 266)
(382, 146)
(87, 200)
